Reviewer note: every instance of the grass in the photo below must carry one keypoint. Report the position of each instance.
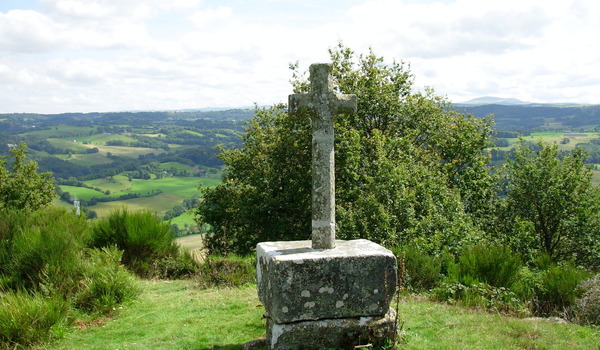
(174, 191)
(82, 192)
(431, 325)
(184, 219)
(176, 165)
(101, 139)
(67, 144)
(123, 151)
(87, 159)
(158, 204)
(553, 137)
(191, 242)
(61, 131)
(177, 315)
(117, 183)
(180, 186)
(596, 177)
(194, 244)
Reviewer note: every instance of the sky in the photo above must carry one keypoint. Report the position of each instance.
(61, 56)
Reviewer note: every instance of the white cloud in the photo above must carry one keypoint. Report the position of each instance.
(154, 54)
(28, 32)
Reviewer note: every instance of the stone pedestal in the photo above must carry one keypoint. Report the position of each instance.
(339, 295)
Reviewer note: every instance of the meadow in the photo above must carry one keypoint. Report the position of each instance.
(159, 194)
(559, 139)
(173, 190)
(180, 315)
(553, 137)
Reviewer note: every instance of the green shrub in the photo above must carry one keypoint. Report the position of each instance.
(141, 235)
(106, 283)
(181, 266)
(46, 271)
(559, 290)
(588, 304)
(422, 270)
(228, 271)
(491, 264)
(481, 295)
(26, 319)
(528, 285)
(45, 246)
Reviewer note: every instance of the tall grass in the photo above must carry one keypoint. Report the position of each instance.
(43, 250)
(228, 271)
(47, 274)
(491, 264)
(144, 239)
(423, 271)
(106, 284)
(26, 318)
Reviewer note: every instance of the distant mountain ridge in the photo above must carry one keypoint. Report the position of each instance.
(504, 101)
(537, 117)
(491, 100)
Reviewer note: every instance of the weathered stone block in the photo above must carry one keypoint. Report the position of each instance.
(298, 283)
(345, 333)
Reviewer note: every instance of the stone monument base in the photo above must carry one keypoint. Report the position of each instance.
(320, 298)
(345, 333)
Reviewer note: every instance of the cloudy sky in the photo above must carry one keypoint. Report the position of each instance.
(114, 55)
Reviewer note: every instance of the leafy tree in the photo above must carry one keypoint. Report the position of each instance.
(21, 186)
(551, 205)
(408, 168)
(266, 192)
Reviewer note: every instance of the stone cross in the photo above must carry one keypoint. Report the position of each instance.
(323, 104)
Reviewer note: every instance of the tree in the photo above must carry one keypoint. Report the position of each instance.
(407, 166)
(551, 205)
(21, 186)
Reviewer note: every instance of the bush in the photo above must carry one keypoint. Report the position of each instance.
(141, 235)
(491, 264)
(46, 272)
(229, 271)
(423, 271)
(26, 319)
(528, 286)
(106, 283)
(559, 290)
(588, 304)
(181, 266)
(44, 246)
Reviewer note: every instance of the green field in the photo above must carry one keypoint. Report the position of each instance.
(86, 159)
(124, 151)
(181, 186)
(82, 193)
(118, 183)
(61, 131)
(179, 315)
(101, 139)
(556, 138)
(553, 137)
(184, 219)
(158, 204)
(176, 165)
(174, 191)
(68, 144)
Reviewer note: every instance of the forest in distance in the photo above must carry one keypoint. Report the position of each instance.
(133, 158)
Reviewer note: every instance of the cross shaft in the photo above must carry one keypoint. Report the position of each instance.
(323, 104)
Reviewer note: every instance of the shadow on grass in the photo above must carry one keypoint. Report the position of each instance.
(259, 344)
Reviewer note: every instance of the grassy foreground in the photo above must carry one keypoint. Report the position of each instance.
(177, 315)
